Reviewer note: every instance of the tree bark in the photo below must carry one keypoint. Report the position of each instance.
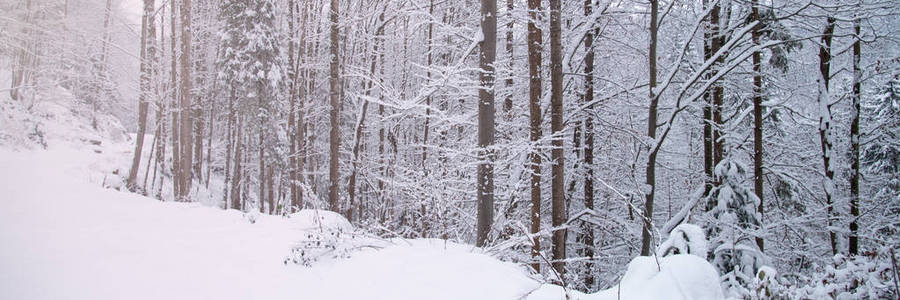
(176, 146)
(485, 180)
(333, 175)
(854, 144)
(292, 128)
(589, 141)
(535, 40)
(646, 236)
(558, 209)
(236, 199)
(757, 122)
(186, 107)
(508, 103)
(825, 126)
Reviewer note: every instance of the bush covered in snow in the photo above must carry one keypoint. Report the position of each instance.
(869, 276)
(328, 235)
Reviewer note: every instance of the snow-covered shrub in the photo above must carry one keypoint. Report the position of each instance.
(684, 239)
(766, 284)
(868, 276)
(732, 219)
(328, 235)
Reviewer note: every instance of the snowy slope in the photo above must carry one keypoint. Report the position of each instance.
(65, 238)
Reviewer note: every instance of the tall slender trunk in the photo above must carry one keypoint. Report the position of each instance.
(176, 146)
(148, 35)
(558, 209)
(825, 137)
(589, 140)
(718, 91)
(708, 138)
(757, 122)
(229, 144)
(236, 197)
(535, 41)
(485, 182)
(854, 144)
(293, 74)
(186, 107)
(429, 36)
(333, 175)
(508, 103)
(646, 236)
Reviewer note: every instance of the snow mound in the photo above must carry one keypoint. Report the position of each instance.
(676, 277)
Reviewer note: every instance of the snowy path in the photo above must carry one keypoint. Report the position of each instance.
(63, 237)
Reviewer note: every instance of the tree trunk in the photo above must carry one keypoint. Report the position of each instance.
(148, 35)
(186, 107)
(825, 126)
(333, 175)
(429, 36)
(535, 39)
(854, 144)
(236, 199)
(757, 122)
(589, 142)
(229, 144)
(508, 103)
(708, 138)
(485, 180)
(176, 147)
(293, 74)
(646, 237)
(558, 209)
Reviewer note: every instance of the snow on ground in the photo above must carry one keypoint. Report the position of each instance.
(63, 237)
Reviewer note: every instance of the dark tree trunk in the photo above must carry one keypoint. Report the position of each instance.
(589, 143)
(485, 179)
(534, 106)
(825, 126)
(854, 145)
(558, 209)
(646, 237)
(757, 122)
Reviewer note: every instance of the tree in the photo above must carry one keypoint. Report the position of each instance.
(148, 53)
(534, 107)
(334, 96)
(485, 179)
(646, 237)
(757, 117)
(854, 144)
(589, 139)
(187, 93)
(556, 127)
(825, 135)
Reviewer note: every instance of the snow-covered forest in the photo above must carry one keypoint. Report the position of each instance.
(462, 149)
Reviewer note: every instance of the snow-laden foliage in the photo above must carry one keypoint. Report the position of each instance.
(732, 209)
(684, 239)
(872, 275)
